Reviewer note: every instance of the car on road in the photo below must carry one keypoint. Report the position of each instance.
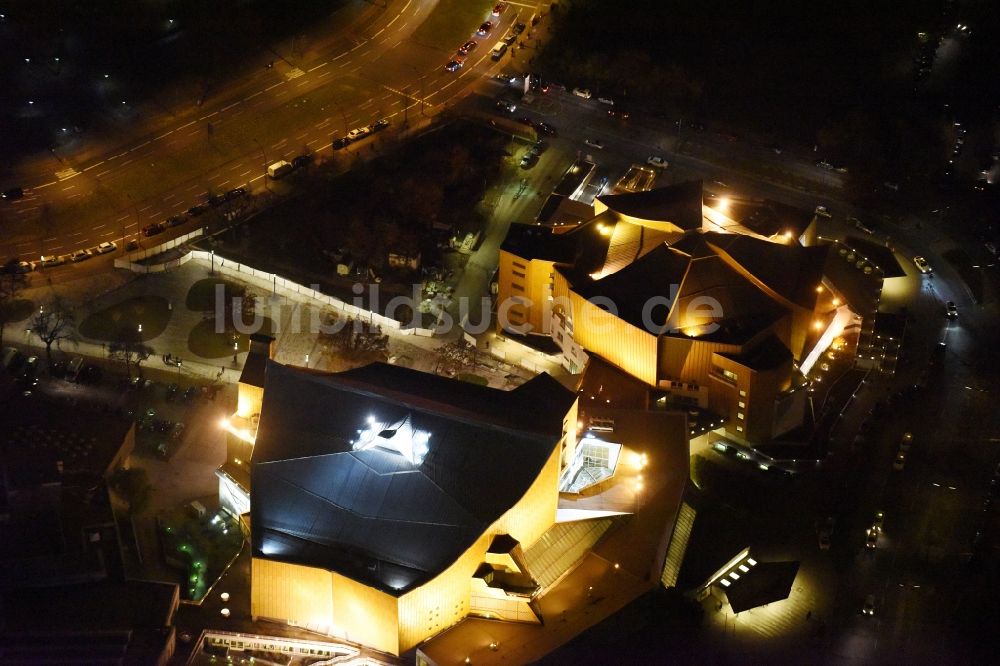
(823, 164)
(485, 28)
(341, 142)
(547, 129)
(879, 521)
(594, 143)
(922, 265)
(519, 28)
(871, 540)
(621, 114)
(105, 247)
(529, 160)
(153, 229)
(196, 210)
(358, 133)
(499, 8)
(455, 65)
(175, 220)
(822, 211)
(606, 100)
(582, 92)
(468, 47)
(506, 105)
(869, 606)
(951, 310)
(379, 125)
(279, 169)
(906, 441)
(900, 462)
(12, 194)
(24, 267)
(50, 260)
(80, 255)
(657, 161)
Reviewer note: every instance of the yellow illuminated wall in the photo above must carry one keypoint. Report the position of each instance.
(249, 401)
(628, 347)
(527, 285)
(357, 612)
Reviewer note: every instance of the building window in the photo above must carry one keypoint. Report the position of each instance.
(743, 394)
(740, 416)
(516, 287)
(729, 374)
(518, 264)
(739, 428)
(741, 404)
(519, 274)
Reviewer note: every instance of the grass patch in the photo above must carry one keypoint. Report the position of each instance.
(153, 312)
(452, 22)
(199, 547)
(473, 379)
(17, 310)
(205, 341)
(201, 295)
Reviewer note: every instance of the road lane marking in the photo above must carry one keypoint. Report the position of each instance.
(340, 56)
(208, 116)
(253, 95)
(244, 173)
(94, 165)
(394, 19)
(146, 208)
(378, 33)
(357, 47)
(140, 146)
(274, 86)
(228, 107)
(123, 217)
(317, 67)
(188, 125)
(99, 226)
(166, 134)
(128, 162)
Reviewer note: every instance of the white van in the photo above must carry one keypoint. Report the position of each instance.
(498, 50)
(279, 169)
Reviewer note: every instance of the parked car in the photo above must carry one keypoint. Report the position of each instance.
(621, 114)
(582, 92)
(300, 161)
(529, 160)
(539, 147)
(518, 28)
(12, 194)
(547, 129)
(153, 229)
(341, 142)
(106, 246)
(51, 260)
(379, 125)
(922, 265)
(656, 161)
(606, 100)
(468, 47)
(196, 210)
(823, 537)
(24, 267)
(951, 310)
(594, 143)
(821, 211)
(506, 105)
(175, 220)
(80, 255)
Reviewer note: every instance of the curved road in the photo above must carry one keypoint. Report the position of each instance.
(108, 192)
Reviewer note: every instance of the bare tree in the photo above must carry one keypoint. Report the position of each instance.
(12, 283)
(53, 323)
(129, 348)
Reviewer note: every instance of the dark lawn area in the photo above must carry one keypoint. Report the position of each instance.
(972, 276)
(407, 202)
(153, 312)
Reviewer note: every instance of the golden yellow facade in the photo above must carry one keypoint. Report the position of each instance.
(524, 287)
(628, 347)
(318, 598)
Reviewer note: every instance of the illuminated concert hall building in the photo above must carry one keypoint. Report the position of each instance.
(385, 504)
(716, 304)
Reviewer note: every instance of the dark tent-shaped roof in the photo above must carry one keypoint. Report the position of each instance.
(374, 473)
(678, 204)
(765, 583)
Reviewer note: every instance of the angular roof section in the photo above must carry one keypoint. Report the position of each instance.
(375, 474)
(771, 353)
(791, 271)
(678, 204)
(530, 241)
